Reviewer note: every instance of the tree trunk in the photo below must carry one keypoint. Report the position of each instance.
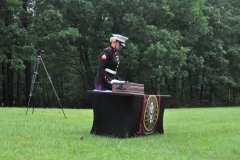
(44, 94)
(10, 82)
(234, 98)
(183, 92)
(61, 84)
(27, 64)
(212, 97)
(191, 95)
(18, 90)
(229, 97)
(3, 87)
(24, 17)
(27, 73)
(201, 94)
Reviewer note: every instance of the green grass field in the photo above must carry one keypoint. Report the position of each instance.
(202, 133)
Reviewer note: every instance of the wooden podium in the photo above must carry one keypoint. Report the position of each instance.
(123, 115)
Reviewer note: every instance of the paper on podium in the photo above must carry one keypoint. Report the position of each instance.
(116, 81)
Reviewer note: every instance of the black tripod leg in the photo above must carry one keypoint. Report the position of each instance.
(53, 88)
(32, 84)
(34, 95)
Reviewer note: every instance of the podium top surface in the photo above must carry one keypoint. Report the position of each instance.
(122, 93)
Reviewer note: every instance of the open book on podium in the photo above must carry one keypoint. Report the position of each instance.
(127, 87)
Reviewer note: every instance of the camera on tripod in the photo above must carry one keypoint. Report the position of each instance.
(39, 52)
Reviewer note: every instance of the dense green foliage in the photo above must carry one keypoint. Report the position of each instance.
(188, 49)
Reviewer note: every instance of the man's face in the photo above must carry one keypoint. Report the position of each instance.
(118, 45)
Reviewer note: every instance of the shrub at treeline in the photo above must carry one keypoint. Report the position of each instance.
(188, 49)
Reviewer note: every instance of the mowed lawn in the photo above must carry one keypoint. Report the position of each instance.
(200, 133)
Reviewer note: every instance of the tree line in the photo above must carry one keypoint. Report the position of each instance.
(188, 49)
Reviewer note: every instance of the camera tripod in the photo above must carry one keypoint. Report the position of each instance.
(35, 72)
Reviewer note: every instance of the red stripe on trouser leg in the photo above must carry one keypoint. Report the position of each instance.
(99, 87)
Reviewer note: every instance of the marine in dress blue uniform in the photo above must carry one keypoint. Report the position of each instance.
(109, 63)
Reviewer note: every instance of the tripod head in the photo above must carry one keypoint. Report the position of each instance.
(39, 53)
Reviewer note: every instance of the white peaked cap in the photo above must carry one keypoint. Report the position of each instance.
(120, 38)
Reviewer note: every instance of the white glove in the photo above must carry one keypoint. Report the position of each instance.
(116, 81)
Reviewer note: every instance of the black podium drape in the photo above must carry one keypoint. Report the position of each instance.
(122, 114)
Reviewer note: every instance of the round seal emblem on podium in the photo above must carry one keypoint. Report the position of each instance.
(150, 114)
